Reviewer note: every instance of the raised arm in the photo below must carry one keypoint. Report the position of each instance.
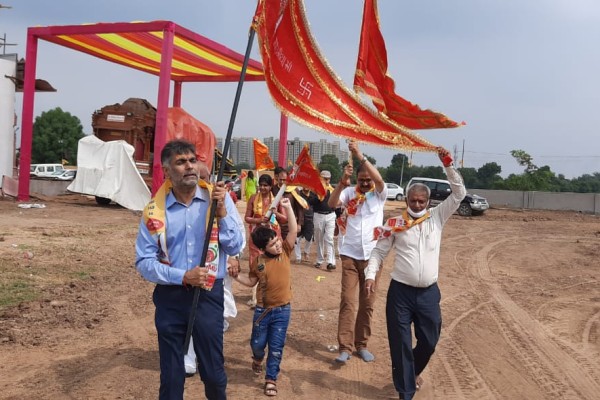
(291, 220)
(334, 198)
(370, 168)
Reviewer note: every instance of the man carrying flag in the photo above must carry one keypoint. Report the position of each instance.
(168, 251)
(413, 296)
(364, 207)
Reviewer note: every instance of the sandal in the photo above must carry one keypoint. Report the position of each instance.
(257, 367)
(271, 388)
(419, 382)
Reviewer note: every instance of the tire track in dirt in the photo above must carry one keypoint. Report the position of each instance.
(588, 332)
(462, 379)
(539, 354)
(471, 383)
(538, 350)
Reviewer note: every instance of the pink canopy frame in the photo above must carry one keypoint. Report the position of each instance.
(160, 36)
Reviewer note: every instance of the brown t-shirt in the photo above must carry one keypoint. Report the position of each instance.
(274, 279)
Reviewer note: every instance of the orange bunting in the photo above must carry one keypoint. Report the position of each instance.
(262, 160)
(305, 174)
(305, 88)
(371, 78)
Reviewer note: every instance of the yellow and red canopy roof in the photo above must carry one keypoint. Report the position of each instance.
(141, 45)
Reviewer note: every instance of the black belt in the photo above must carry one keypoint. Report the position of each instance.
(324, 212)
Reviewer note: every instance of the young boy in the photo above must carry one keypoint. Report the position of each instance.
(272, 272)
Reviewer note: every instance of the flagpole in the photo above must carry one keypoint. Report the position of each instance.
(213, 208)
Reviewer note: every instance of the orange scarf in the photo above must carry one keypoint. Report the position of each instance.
(357, 201)
(257, 208)
(351, 209)
(155, 219)
(397, 224)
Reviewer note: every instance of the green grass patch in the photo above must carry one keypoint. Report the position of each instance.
(81, 275)
(16, 292)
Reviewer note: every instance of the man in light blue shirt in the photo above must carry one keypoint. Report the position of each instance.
(168, 251)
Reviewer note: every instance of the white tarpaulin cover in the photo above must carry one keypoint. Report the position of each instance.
(107, 169)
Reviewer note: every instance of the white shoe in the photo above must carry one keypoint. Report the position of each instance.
(190, 370)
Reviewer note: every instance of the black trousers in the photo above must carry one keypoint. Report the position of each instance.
(408, 305)
(173, 304)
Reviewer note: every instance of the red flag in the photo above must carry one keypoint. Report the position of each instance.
(262, 160)
(243, 175)
(305, 174)
(303, 86)
(371, 78)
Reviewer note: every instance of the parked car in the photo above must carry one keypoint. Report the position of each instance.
(472, 204)
(236, 187)
(440, 188)
(67, 175)
(45, 170)
(394, 192)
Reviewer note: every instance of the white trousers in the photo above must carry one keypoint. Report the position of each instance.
(302, 246)
(324, 229)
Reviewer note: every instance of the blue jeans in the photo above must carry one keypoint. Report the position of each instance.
(270, 330)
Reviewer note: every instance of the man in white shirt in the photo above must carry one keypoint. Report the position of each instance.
(413, 295)
(364, 211)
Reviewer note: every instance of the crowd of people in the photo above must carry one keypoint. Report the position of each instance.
(188, 210)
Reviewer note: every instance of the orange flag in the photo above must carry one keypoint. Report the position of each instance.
(262, 160)
(305, 174)
(303, 86)
(371, 78)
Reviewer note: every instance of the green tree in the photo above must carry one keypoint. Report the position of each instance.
(586, 183)
(488, 174)
(398, 159)
(524, 159)
(56, 134)
(470, 177)
(397, 170)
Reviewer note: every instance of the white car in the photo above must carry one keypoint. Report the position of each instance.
(394, 192)
(67, 175)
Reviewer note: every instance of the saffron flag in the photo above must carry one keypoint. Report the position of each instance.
(262, 160)
(303, 86)
(305, 174)
(371, 78)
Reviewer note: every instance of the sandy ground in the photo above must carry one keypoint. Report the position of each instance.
(521, 307)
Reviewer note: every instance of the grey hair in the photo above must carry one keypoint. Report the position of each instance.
(420, 188)
(175, 147)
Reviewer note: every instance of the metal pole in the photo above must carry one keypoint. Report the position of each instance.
(402, 169)
(213, 207)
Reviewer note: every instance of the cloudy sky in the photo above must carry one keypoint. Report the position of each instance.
(523, 74)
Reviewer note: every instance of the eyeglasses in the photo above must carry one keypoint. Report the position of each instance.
(365, 180)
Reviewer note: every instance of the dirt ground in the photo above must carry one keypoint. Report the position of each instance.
(521, 308)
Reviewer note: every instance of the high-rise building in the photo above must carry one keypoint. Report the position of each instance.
(242, 151)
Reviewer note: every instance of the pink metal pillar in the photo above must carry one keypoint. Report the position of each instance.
(27, 117)
(177, 94)
(283, 127)
(164, 83)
